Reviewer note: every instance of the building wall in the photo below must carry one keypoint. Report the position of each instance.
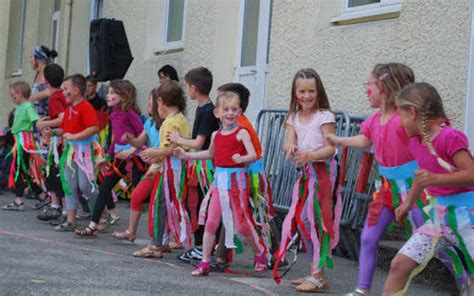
(430, 36)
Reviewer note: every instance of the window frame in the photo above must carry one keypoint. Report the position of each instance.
(56, 16)
(367, 10)
(21, 40)
(174, 44)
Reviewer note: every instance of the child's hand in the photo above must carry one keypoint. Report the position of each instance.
(148, 154)
(125, 154)
(41, 124)
(332, 139)
(237, 158)
(401, 212)
(180, 152)
(302, 158)
(173, 137)
(100, 164)
(425, 178)
(290, 151)
(127, 137)
(69, 137)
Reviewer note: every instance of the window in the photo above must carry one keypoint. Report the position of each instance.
(354, 9)
(175, 16)
(55, 25)
(16, 36)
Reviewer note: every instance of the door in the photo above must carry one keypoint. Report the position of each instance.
(252, 52)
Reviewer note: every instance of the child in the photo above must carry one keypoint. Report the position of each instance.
(167, 198)
(144, 188)
(261, 194)
(54, 75)
(396, 165)
(78, 129)
(26, 166)
(122, 98)
(447, 173)
(309, 122)
(167, 72)
(198, 83)
(231, 150)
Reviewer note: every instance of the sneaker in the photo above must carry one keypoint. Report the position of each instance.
(219, 266)
(14, 207)
(49, 213)
(65, 227)
(31, 195)
(271, 263)
(42, 203)
(194, 254)
(113, 219)
(58, 221)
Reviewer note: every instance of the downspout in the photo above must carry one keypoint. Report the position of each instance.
(69, 29)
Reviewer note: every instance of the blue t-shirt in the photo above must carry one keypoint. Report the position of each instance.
(152, 132)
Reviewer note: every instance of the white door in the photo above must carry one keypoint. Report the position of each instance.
(252, 52)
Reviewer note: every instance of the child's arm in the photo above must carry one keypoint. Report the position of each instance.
(135, 142)
(41, 95)
(359, 141)
(197, 143)
(290, 141)
(86, 133)
(41, 124)
(462, 178)
(206, 154)
(251, 156)
(326, 152)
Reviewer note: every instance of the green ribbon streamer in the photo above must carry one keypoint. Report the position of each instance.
(451, 216)
(157, 206)
(62, 165)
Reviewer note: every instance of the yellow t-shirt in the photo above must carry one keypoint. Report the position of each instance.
(176, 122)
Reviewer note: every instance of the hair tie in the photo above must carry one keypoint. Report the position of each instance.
(383, 76)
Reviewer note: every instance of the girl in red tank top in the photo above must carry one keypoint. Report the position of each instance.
(231, 150)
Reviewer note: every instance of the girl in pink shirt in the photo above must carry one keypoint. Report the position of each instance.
(383, 131)
(447, 173)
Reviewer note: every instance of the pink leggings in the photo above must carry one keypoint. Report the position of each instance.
(141, 192)
(215, 212)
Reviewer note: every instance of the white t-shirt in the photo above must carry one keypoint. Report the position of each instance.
(309, 135)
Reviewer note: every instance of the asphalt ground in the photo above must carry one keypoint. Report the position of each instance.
(34, 260)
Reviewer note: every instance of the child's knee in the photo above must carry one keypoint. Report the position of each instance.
(136, 203)
(402, 264)
(211, 225)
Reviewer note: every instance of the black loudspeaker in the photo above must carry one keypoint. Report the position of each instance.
(109, 51)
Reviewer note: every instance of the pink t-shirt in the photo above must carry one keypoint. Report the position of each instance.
(390, 140)
(446, 144)
(309, 135)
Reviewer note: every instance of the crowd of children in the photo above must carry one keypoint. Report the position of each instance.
(206, 185)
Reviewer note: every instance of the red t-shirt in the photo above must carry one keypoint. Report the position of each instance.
(57, 104)
(79, 117)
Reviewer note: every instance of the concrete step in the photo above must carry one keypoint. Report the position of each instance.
(435, 274)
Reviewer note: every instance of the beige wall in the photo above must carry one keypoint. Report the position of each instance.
(430, 36)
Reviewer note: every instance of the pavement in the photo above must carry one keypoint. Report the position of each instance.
(34, 260)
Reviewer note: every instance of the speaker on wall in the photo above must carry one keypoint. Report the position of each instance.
(109, 51)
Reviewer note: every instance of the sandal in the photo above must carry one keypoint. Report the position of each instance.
(86, 232)
(103, 225)
(65, 227)
(164, 249)
(260, 263)
(175, 245)
(148, 252)
(202, 269)
(113, 219)
(125, 235)
(311, 285)
(358, 292)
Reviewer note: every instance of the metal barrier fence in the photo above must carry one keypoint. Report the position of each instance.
(281, 172)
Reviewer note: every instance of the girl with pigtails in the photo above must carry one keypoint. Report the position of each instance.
(446, 171)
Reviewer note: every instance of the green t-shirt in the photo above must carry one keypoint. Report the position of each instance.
(25, 115)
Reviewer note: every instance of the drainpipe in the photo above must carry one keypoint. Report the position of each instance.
(69, 29)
